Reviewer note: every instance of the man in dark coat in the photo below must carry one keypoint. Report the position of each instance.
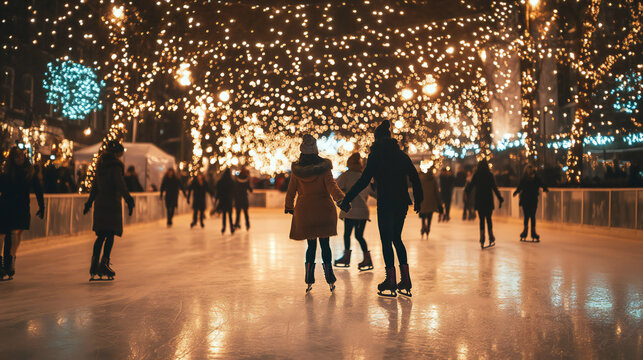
(485, 186)
(391, 168)
(107, 190)
(447, 181)
(198, 188)
(170, 186)
(131, 179)
(529, 190)
(241, 189)
(224, 196)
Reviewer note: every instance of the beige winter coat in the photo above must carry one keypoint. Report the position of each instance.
(315, 214)
(431, 202)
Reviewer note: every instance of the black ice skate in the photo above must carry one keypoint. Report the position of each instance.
(534, 237)
(330, 276)
(2, 273)
(345, 260)
(105, 270)
(310, 276)
(482, 239)
(388, 288)
(404, 286)
(492, 241)
(9, 266)
(523, 235)
(94, 268)
(367, 264)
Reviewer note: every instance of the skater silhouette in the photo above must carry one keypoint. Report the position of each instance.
(391, 168)
(241, 189)
(447, 181)
(314, 214)
(485, 186)
(468, 208)
(107, 190)
(357, 217)
(431, 202)
(171, 186)
(225, 187)
(17, 180)
(529, 190)
(198, 188)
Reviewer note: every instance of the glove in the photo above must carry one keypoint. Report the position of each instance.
(345, 206)
(287, 211)
(441, 209)
(188, 200)
(41, 213)
(500, 201)
(130, 206)
(417, 207)
(88, 206)
(515, 192)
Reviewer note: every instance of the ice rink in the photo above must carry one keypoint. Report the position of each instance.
(195, 294)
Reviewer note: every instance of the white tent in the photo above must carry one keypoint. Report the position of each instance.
(150, 161)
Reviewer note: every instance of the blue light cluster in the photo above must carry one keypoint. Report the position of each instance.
(461, 153)
(74, 88)
(633, 138)
(628, 92)
(596, 140)
(510, 141)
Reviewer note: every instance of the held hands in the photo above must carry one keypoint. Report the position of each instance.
(344, 205)
(417, 207)
(41, 213)
(441, 209)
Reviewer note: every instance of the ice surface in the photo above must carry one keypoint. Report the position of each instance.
(195, 294)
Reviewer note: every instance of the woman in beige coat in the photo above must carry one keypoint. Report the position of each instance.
(314, 214)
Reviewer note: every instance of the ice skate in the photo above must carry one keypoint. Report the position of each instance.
(94, 269)
(9, 266)
(310, 276)
(367, 263)
(330, 276)
(482, 239)
(492, 241)
(345, 260)
(388, 288)
(2, 273)
(523, 235)
(105, 270)
(404, 286)
(534, 236)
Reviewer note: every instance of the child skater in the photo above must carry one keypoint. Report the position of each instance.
(485, 186)
(529, 190)
(107, 190)
(314, 214)
(357, 217)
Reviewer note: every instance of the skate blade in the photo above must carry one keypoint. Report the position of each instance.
(489, 246)
(366, 268)
(390, 293)
(406, 293)
(310, 287)
(332, 287)
(342, 265)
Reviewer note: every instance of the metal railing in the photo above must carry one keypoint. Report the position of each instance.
(618, 208)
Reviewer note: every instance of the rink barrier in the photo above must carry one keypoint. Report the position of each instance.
(610, 208)
(64, 212)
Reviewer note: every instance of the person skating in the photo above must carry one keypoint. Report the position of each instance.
(529, 190)
(431, 202)
(198, 188)
(17, 181)
(357, 217)
(131, 180)
(468, 211)
(225, 187)
(447, 181)
(108, 188)
(171, 186)
(241, 189)
(391, 168)
(485, 186)
(314, 214)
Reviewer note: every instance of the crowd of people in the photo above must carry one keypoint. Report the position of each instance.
(312, 197)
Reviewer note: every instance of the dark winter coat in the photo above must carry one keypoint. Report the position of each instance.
(241, 190)
(314, 214)
(225, 188)
(108, 189)
(529, 189)
(391, 168)
(198, 192)
(170, 186)
(15, 209)
(447, 181)
(485, 186)
(133, 184)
